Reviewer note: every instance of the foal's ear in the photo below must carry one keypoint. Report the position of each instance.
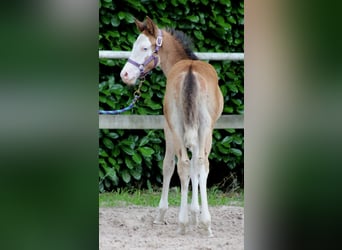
(151, 27)
(140, 25)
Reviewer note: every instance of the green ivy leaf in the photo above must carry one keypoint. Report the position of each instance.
(155, 139)
(117, 89)
(126, 177)
(231, 165)
(127, 150)
(129, 163)
(137, 158)
(112, 176)
(102, 99)
(103, 162)
(198, 34)
(237, 139)
(231, 75)
(105, 19)
(102, 153)
(226, 141)
(236, 151)
(121, 15)
(146, 151)
(113, 135)
(144, 141)
(222, 149)
(238, 102)
(220, 20)
(232, 19)
(217, 135)
(116, 151)
(228, 109)
(232, 87)
(193, 18)
(108, 143)
(129, 18)
(115, 21)
(112, 161)
(107, 62)
(224, 90)
(166, 20)
(136, 173)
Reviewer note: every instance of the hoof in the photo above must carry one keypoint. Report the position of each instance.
(210, 233)
(159, 219)
(207, 228)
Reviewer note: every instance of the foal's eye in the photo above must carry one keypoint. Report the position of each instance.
(145, 49)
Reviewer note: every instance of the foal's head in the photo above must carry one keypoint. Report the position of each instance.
(144, 53)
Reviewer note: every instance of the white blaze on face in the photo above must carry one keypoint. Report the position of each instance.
(142, 49)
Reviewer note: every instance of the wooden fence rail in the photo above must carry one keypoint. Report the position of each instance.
(215, 56)
(157, 121)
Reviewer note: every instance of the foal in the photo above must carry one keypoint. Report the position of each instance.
(192, 104)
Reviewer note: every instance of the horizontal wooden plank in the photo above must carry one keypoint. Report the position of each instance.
(214, 56)
(157, 122)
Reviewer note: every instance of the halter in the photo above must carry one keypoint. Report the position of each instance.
(142, 66)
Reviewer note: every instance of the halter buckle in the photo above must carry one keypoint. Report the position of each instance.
(159, 41)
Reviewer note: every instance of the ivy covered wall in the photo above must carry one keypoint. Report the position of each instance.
(134, 158)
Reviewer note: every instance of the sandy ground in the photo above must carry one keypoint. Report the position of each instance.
(132, 228)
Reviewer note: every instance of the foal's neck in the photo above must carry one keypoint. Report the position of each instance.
(171, 52)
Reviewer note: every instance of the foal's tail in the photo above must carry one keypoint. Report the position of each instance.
(190, 109)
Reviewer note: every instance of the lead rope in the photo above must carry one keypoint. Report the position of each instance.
(136, 94)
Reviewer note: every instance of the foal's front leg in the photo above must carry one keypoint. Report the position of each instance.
(168, 169)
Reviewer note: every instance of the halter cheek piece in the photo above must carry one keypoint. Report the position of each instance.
(142, 66)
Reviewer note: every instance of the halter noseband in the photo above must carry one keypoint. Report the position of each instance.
(142, 66)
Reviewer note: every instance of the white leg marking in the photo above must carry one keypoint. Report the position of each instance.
(194, 174)
(205, 215)
(183, 172)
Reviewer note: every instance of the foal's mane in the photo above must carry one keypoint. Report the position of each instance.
(184, 40)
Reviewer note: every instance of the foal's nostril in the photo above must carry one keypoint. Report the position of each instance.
(125, 75)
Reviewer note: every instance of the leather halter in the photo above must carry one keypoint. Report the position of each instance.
(154, 57)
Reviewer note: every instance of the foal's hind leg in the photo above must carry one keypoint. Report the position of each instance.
(194, 175)
(203, 164)
(183, 169)
(168, 168)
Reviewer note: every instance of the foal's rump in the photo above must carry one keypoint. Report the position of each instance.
(192, 99)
